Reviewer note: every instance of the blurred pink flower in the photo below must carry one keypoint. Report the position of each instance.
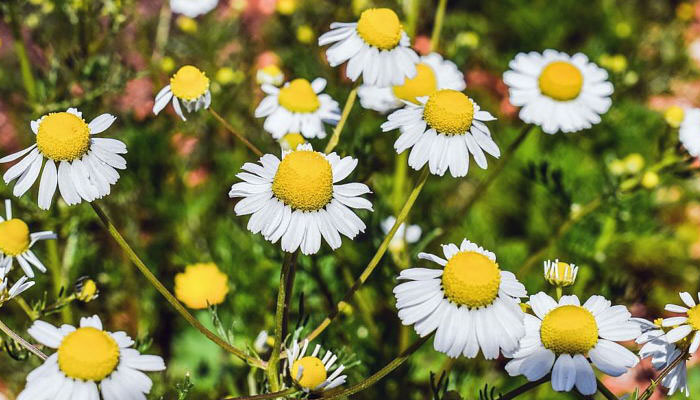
(137, 98)
(196, 177)
(422, 44)
(266, 58)
(637, 377)
(480, 78)
(184, 145)
(8, 134)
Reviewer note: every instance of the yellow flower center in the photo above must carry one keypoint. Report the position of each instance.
(290, 141)
(14, 237)
(272, 69)
(88, 354)
(449, 112)
(423, 84)
(471, 279)
(189, 83)
(561, 81)
(201, 285)
(63, 136)
(299, 97)
(694, 317)
(313, 373)
(569, 330)
(380, 27)
(304, 181)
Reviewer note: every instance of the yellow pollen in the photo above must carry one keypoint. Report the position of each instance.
(201, 285)
(299, 97)
(88, 354)
(313, 373)
(449, 112)
(380, 27)
(694, 317)
(561, 81)
(423, 84)
(63, 136)
(189, 83)
(471, 279)
(304, 181)
(14, 237)
(569, 330)
(290, 141)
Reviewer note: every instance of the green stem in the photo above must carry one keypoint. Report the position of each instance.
(605, 391)
(524, 388)
(560, 292)
(437, 27)
(652, 386)
(162, 33)
(33, 315)
(17, 338)
(112, 230)
(274, 395)
(21, 51)
(281, 316)
(238, 136)
(335, 137)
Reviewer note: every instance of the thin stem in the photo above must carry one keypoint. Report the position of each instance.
(524, 388)
(281, 315)
(33, 315)
(335, 137)
(238, 136)
(377, 256)
(652, 386)
(112, 230)
(17, 338)
(162, 33)
(274, 395)
(605, 391)
(437, 27)
(21, 51)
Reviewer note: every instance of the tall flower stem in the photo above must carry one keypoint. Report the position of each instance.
(112, 230)
(281, 316)
(21, 52)
(17, 338)
(238, 136)
(274, 395)
(335, 137)
(524, 388)
(377, 256)
(437, 26)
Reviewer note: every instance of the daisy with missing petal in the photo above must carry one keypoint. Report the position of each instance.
(298, 106)
(432, 73)
(16, 242)
(561, 338)
(82, 166)
(297, 199)
(189, 85)
(662, 354)
(442, 130)
(313, 373)
(684, 326)
(471, 302)
(689, 132)
(375, 47)
(558, 92)
(86, 357)
(193, 8)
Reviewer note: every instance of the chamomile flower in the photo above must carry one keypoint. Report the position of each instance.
(270, 75)
(201, 285)
(193, 8)
(189, 85)
(298, 107)
(375, 47)
(559, 273)
(403, 235)
(561, 337)
(16, 242)
(86, 357)
(558, 92)
(7, 291)
(297, 199)
(689, 132)
(662, 354)
(685, 325)
(313, 373)
(442, 130)
(471, 302)
(82, 166)
(432, 73)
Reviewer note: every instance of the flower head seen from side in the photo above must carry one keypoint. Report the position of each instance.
(375, 47)
(471, 302)
(201, 285)
(192, 8)
(689, 131)
(86, 357)
(686, 326)
(190, 86)
(82, 166)
(558, 92)
(291, 141)
(432, 73)
(16, 242)
(403, 235)
(561, 338)
(298, 107)
(7, 291)
(298, 199)
(662, 354)
(270, 75)
(442, 130)
(559, 273)
(313, 373)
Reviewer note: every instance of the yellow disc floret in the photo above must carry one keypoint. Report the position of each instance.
(569, 330)
(694, 317)
(304, 181)
(14, 237)
(63, 136)
(299, 97)
(471, 279)
(89, 354)
(423, 84)
(561, 81)
(449, 112)
(380, 27)
(313, 373)
(201, 285)
(189, 83)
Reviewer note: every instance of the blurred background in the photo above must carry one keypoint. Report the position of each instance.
(594, 198)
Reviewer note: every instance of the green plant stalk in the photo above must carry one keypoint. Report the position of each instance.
(33, 315)
(21, 51)
(605, 391)
(162, 33)
(524, 388)
(654, 383)
(335, 137)
(112, 230)
(238, 136)
(17, 338)
(274, 395)
(281, 316)
(437, 26)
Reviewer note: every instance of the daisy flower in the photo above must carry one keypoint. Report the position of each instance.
(403, 235)
(193, 8)
(432, 73)
(662, 354)
(471, 302)
(16, 242)
(561, 338)
(442, 130)
(87, 166)
(8, 292)
(689, 132)
(685, 325)
(201, 285)
(559, 273)
(270, 75)
(375, 47)
(189, 85)
(86, 357)
(297, 199)
(298, 107)
(558, 92)
(313, 373)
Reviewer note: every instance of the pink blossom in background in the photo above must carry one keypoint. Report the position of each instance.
(637, 377)
(197, 177)
(137, 98)
(8, 134)
(422, 44)
(481, 78)
(184, 145)
(266, 58)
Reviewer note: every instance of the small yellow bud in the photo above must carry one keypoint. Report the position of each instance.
(290, 141)
(186, 24)
(617, 167)
(685, 11)
(345, 308)
(305, 34)
(559, 273)
(467, 39)
(227, 75)
(674, 116)
(634, 163)
(271, 74)
(650, 180)
(86, 290)
(623, 29)
(286, 7)
(167, 64)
